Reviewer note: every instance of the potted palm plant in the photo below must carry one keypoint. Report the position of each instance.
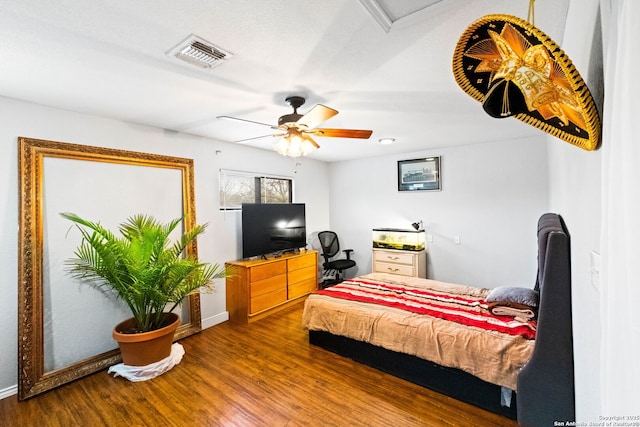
(145, 270)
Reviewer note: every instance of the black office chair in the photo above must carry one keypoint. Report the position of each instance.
(333, 269)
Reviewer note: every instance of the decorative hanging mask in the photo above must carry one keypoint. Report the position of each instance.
(514, 69)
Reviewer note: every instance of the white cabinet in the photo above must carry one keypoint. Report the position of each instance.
(404, 263)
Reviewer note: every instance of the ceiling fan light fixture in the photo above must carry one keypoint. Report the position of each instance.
(294, 146)
(298, 129)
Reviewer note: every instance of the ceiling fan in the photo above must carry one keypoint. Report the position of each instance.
(296, 129)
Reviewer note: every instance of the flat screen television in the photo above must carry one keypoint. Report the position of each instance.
(272, 228)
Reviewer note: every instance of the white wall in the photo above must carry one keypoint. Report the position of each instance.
(492, 195)
(220, 243)
(575, 193)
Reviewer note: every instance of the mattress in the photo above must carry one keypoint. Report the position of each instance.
(448, 324)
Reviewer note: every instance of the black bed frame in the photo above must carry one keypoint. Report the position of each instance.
(546, 391)
(451, 382)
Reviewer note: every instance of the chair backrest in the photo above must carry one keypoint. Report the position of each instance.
(329, 243)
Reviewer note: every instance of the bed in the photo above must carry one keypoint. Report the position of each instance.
(455, 339)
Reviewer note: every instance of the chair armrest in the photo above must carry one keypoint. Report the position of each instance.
(348, 253)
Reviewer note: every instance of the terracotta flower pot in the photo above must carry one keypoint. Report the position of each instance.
(144, 348)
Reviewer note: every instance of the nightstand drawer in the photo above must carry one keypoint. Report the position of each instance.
(394, 257)
(388, 267)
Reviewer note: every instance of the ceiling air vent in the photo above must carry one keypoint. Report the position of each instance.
(199, 52)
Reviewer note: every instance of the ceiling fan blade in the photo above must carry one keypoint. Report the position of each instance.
(318, 114)
(242, 141)
(245, 120)
(342, 133)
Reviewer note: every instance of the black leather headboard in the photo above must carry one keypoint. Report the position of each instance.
(546, 387)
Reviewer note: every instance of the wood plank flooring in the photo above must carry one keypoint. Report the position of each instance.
(262, 374)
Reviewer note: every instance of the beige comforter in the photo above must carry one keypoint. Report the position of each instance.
(491, 355)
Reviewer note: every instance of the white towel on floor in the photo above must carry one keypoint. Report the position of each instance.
(143, 373)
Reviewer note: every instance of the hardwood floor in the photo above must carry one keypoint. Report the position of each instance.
(262, 374)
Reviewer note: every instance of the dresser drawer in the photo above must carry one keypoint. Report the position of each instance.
(302, 274)
(264, 271)
(265, 301)
(302, 261)
(302, 288)
(268, 285)
(388, 267)
(394, 257)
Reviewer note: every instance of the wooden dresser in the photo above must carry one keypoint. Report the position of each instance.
(404, 263)
(257, 288)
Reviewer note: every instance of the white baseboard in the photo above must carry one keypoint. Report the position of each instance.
(215, 320)
(9, 391)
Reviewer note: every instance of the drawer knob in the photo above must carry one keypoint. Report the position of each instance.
(393, 258)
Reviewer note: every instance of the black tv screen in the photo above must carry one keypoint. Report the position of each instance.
(272, 228)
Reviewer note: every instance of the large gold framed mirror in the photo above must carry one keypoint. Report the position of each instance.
(64, 327)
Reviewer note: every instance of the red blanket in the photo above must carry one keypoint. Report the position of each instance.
(455, 308)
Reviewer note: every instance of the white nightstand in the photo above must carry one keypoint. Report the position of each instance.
(404, 263)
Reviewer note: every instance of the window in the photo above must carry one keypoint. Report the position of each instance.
(237, 188)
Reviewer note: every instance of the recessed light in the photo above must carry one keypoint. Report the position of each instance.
(386, 141)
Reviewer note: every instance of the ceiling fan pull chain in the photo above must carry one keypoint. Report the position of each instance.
(531, 15)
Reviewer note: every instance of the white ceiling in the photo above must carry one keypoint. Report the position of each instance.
(108, 58)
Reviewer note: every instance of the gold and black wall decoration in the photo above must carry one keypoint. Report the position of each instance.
(515, 70)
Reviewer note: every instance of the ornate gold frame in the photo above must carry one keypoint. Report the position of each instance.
(32, 380)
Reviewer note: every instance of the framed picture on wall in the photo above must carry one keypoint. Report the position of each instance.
(419, 174)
